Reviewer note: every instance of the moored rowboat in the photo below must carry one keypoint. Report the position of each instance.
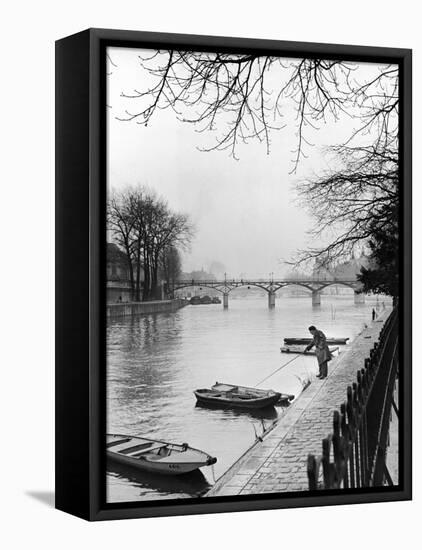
(330, 340)
(156, 456)
(301, 350)
(228, 395)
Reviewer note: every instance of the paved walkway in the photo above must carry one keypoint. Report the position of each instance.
(279, 462)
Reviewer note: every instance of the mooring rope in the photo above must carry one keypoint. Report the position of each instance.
(276, 370)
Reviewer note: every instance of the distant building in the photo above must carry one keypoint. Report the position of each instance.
(322, 270)
(346, 270)
(118, 275)
(198, 275)
(351, 268)
(117, 266)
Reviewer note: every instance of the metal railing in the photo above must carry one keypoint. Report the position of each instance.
(354, 454)
(245, 280)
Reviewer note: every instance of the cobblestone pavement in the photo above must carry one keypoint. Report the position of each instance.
(279, 462)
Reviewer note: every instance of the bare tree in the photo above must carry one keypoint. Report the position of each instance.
(145, 228)
(166, 230)
(240, 97)
(121, 224)
(359, 197)
(171, 265)
(349, 202)
(142, 207)
(245, 96)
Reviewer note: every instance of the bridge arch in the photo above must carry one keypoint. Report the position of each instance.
(339, 283)
(249, 284)
(227, 287)
(309, 287)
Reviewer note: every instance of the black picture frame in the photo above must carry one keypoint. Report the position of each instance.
(80, 274)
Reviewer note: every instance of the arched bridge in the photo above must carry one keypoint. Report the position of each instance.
(315, 286)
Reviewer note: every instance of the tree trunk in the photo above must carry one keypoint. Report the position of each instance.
(138, 274)
(130, 265)
(154, 283)
(147, 278)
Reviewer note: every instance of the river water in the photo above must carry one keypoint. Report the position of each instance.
(154, 362)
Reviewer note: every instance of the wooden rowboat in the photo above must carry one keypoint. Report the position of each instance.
(228, 395)
(156, 456)
(330, 340)
(301, 350)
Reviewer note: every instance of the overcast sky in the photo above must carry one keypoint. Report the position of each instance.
(244, 210)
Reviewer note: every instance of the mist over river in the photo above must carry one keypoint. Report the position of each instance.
(154, 362)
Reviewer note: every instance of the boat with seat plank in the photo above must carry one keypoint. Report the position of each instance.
(156, 456)
(229, 395)
(301, 350)
(305, 341)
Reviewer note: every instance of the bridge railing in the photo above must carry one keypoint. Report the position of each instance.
(354, 454)
(245, 281)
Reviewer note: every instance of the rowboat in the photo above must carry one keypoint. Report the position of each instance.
(156, 456)
(228, 395)
(330, 340)
(301, 350)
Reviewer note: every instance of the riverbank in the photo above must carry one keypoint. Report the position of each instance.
(279, 462)
(126, 309)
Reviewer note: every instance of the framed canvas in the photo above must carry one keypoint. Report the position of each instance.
(233, 251)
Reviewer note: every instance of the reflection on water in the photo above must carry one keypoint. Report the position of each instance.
(154, 363)
(138, 485)
(267, 413)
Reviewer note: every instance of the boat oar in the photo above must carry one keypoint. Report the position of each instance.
(276, 370)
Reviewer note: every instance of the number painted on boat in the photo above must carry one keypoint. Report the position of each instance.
(174, 466)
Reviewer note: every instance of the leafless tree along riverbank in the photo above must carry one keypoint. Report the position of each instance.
(150, 235)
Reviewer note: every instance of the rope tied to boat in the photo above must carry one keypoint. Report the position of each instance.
(276, 370)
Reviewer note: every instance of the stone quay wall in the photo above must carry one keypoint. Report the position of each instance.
(142, 308)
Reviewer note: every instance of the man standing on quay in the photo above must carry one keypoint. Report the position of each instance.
(321, 349)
